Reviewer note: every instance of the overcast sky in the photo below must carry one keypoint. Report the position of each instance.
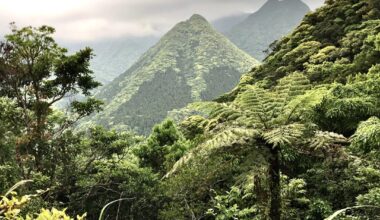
(88, 20)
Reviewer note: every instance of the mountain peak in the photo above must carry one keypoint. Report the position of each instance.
(253, 35)
(284, 3)
(196, 18)
(192, 62)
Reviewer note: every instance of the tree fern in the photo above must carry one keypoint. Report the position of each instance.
(292, 86)
(226, 138)
(258, 104)
(367, 136)
(270, 119)
(284, 135)
(325, 141)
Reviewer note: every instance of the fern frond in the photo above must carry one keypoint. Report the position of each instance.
(225, 138)
(231, 136)
(301, 107)
(217, 110)
(367, 136)
(285, 135)
(292, 85)
(287, 89)
(325, 140)
(259, 103)
(341, 108)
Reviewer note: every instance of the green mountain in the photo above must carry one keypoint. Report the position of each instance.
(328, 46)
(314, 106)
(192, 62)
(272, 21)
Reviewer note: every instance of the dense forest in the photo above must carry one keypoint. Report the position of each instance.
(183, 67)
(297, 138)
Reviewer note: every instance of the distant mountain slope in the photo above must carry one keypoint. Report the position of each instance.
(114, 56)
(331, 44)
(224, 24)
(192, 62)
(272, 21)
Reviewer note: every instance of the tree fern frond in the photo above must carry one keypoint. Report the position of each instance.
(259, 103)
(206, 107)
(326, 140)
(367, 136)
(339, 108)
(217, 110)
(231, 136)
(292, 85)
(301, 107)
(284, 135)
(17, 185)
(287, 89)
(226, 138)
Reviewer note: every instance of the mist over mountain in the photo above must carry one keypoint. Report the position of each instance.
(192, 62)
(114, 56)
(224, 24)
(249, 32)
(195, 128)
(272, 21)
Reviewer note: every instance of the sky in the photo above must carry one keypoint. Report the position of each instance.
(92, 20)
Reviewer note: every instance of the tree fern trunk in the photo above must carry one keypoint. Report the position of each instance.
(274, 184)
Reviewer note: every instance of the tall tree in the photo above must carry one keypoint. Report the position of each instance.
(273, 120)
(37, 73)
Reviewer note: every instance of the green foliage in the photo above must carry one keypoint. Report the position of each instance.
(35, 74)
(347, 105)
(337, 40)
(371, 198)
(272, 148)
(226, 207)
(193, 126)
(367, 136)
(273, 114)
(9, 129)
(270, 120)
(192, 62)
(294, 198)
(11, 206)
(103, 170)
(319, 209)
(54, 214)
(163, 147)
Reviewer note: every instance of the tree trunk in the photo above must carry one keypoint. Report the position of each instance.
(274, 184)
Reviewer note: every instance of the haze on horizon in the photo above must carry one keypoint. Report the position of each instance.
(92, 20)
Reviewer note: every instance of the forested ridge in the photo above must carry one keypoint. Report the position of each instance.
(273, 20)
(298, 138)
(181, 68)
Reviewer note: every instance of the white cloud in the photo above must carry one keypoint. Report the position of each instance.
(79, 20)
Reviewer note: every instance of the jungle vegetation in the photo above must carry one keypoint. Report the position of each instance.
(298, 138)
(192, 62)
